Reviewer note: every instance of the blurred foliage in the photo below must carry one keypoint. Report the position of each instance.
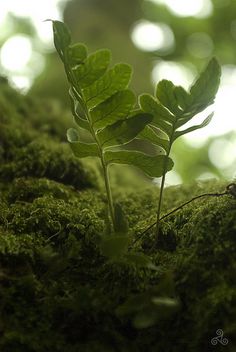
(17, 25)
(220, 27)
(109, 23)
(100, 24)
(196, 162)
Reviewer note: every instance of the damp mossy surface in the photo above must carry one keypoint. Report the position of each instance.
(58, 293)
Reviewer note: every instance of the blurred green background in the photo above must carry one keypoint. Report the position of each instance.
(172, 39)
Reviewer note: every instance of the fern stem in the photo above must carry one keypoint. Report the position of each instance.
(108, 191)
(161, 192)
(163, 182)
(106, 175)
(104, 167)
(159, 204)
(105, 170)
(72, 80)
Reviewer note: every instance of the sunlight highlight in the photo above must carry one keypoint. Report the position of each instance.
(173, 178)
(223, 120)
(21, 82)
(16, 53)
(221, 153)
(18, 59)
(207, 176)
(181, 8)
(36, 10)
(149, 36)
(200, 45)
(179, 74)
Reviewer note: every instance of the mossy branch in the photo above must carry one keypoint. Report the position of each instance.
(230, 190)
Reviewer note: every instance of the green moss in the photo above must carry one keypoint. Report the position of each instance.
(12, 245)
(58, 293)
(206, 274)
(27, 150)
(57, 212)
(44, 158)
(81, 291)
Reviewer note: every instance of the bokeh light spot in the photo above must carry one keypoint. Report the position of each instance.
(223, 120)
(179, 74)
(200, 45)
(34, 9)
(150, 36)
(222, 153)
(181, 8)
(37, 11)
(21, 82)
(16, 53)
(173, 178)
(207, 176)
(233, 29)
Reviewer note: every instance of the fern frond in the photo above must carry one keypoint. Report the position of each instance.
(103, 105)
(172, 107)
(101, 101)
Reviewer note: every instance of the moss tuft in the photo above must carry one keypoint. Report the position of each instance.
(27, 150)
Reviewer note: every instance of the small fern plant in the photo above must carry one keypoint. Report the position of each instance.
(103, 105)
(172, 107)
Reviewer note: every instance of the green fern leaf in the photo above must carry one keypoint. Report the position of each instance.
(124, 131)
(77, 54)
(152, 135)
(80, 149)
(153, 166)
(92, 68)
(78, 112)
(162, 118)
(206, 122)
(101, 104)
(114, 80)
(62, 37)
(203, 91)
(166, 96)
(115, 108)
(173, 107)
